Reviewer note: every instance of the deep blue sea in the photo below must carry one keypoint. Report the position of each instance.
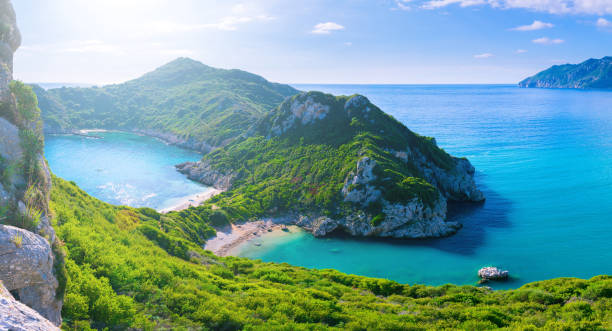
(544, 162)
(123, 168)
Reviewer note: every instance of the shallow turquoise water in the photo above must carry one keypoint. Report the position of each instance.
(123, 168)
(543, 160)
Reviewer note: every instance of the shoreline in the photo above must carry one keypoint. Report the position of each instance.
(167, 138)
(87, 131)
(231, 236)
(193, 200)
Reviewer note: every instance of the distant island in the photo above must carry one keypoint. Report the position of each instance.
(592, 73)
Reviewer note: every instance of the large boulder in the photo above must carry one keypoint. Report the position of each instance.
(492, 273)
(16, 316)
(26, 268)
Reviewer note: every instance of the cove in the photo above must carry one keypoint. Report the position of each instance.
(544, 161)
(123, 168)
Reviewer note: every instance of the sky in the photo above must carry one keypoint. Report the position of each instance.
(314, 41)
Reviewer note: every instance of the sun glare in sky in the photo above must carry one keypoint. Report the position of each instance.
(346, 41)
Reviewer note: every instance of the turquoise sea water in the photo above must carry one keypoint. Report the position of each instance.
(544, 162)
(123, 168)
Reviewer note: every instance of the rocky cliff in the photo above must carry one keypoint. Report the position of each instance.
(26, 268)
(592, 73)
(339, 163)
(29, 256)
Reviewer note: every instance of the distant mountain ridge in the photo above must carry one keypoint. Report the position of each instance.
(592, 73)
(184, 102)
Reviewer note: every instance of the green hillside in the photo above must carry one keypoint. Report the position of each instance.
(195, 102)
(125, 270)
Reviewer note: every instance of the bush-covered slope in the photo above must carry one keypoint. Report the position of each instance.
(342, 162)
(593, 73)
(197, 104)
(127, 268)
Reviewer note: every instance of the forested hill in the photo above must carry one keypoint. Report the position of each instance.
(342, 164)
(184, 102)
(592, 73)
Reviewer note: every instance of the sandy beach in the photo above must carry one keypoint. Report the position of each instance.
(192, 200)
(231, 236)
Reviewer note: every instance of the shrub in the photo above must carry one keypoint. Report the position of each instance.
(219, 218)
(27, 102)
(32, 145)
(378, 219)
(17, 240)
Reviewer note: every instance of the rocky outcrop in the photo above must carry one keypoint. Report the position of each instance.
(16, 316)
(202, 172)
(26, 268)
(456, 184)
(411, 220)
(357, 188)
(10, 148)
(492, 273)
(304, 110)
(10, 39)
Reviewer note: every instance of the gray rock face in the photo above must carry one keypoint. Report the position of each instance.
(304, 109)
(203, 173)
(26, 266)
(16, 316)
(10, 148)
(457, 184)
(357, 186)
(10, 39)
(411, 220)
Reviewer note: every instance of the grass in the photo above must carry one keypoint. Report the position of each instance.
(119, 278)
(17, 240)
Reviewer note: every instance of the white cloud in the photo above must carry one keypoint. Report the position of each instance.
(548, 41)
(231, 23)
(604, 23)
(403, 4)
(326, 28)
(433, 4)
(521, 51)
(548, 6)
(348, 44)
(483, 56)
(536, 25)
